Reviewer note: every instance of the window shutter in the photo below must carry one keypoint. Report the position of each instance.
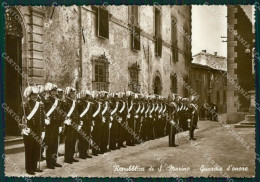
(158, 46)
(103, 23)
(136, 43)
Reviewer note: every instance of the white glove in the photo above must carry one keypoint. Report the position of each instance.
(128, 115)
(81, 122)
(110, 124)
(60, 129)
(111, 118)
(43, 135)
(67, 122)
(103, 119)
(79, 127)
(188, 120)
(47, 121)
(120, 119)
(150, 116)
(136, 116)
(25, 132)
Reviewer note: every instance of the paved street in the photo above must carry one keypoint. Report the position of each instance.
(214, 145)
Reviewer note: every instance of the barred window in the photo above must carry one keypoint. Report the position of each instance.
(100, 73)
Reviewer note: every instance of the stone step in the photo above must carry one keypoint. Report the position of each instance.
(250, 118)
(244, 126)
(13, 141)
(247, 123)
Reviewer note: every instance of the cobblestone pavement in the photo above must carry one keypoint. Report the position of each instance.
(215, 145)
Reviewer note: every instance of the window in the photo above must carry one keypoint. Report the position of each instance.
(103, 23)
(174, 39)
(158, 38)
(135, 30)
(100, 73)
(134, 75)
(174, 84)
(134, 15)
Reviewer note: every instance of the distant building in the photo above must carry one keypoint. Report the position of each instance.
(207, 77)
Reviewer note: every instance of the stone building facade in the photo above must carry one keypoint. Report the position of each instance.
(113, 48)
(208, 79)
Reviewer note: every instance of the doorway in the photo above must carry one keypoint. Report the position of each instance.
(13, 78)
(157, 85)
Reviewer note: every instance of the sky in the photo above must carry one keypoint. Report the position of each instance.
(209, 23)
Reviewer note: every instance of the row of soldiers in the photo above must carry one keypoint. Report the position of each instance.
(99, 121)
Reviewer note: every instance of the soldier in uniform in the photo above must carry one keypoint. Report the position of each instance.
(114, 127)
(97, 119)
(60, 96)
(146, 118)
(164, 117)
(141, 119)
(173, 119)
(85, 115)
(53, 126)
(137, 117)
(151, 119)
(33, 129)
(121, 117)
(193, 110)
(72, 124)
(130, 118)
(105, 123)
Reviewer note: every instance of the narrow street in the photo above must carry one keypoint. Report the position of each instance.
(214, 145)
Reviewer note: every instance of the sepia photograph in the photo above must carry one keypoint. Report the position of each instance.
(130, 91)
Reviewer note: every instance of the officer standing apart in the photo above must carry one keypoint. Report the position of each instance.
(194, 116)
(173, 119)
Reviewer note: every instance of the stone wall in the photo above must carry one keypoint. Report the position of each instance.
(68, 41)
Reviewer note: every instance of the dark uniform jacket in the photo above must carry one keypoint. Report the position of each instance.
(36, 123)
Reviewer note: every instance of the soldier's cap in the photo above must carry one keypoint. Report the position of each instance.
(95, 94)
(54, 87)
(185, 99)
(171, 97)
(31, 90)
(48, 86)
(69, 90)
(192, 98)
(87, 92)
(128, 93)
(73, 90)
(41, 88)
(60, 90)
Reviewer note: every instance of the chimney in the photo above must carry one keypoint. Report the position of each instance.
(215, 53)
(205, 51)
